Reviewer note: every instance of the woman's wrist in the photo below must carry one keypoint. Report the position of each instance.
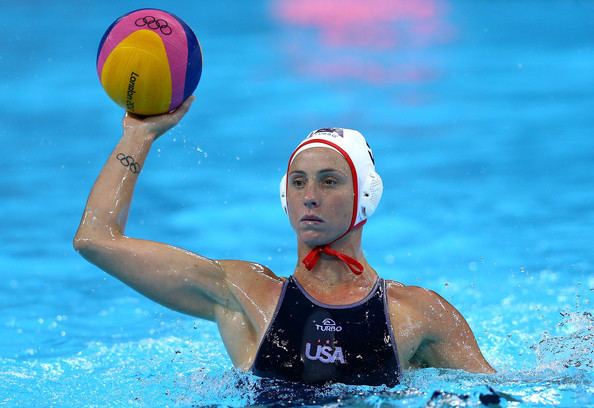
(134, 147)
(139, 134)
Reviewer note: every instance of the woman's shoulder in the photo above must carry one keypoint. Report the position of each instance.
(251, 277)
(417, 301)
(397, 291)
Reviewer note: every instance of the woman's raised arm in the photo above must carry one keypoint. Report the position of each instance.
(171, 276)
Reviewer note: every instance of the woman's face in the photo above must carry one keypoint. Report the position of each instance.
(319, 195)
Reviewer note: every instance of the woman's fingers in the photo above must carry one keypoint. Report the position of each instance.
(179, 113)
(158, 124)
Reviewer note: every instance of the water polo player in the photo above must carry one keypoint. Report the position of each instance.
(333, 319)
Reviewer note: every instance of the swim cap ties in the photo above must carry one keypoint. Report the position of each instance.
(313, 257)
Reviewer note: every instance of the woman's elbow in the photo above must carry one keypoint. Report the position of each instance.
(88, 245)
(89, 239)
(97, 251)
(81, 243)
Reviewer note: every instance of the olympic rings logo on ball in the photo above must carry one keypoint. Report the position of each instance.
(154, 24)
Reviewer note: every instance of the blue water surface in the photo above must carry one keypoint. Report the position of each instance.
(481, 118)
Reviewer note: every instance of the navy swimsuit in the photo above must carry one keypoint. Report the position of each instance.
(312, 342)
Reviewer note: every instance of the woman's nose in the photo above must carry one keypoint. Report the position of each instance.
(310, 198)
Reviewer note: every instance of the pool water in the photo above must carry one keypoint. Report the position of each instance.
(480, 117)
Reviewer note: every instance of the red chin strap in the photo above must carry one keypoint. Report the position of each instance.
(314, 255)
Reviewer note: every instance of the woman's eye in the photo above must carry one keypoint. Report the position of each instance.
(298, 182)
(330, 182)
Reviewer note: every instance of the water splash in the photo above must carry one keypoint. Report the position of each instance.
(573, 348)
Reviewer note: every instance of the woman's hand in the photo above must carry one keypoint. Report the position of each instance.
(155, 126)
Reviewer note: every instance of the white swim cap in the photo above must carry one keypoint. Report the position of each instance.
(367, 184)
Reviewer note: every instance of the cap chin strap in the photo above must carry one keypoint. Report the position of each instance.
(314, 255)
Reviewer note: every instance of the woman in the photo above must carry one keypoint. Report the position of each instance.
(333, 320)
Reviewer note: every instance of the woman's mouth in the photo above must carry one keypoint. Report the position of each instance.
(311, 219)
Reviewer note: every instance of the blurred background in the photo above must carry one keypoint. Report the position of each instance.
(480, 115)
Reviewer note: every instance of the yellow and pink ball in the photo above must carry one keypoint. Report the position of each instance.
(149, 61)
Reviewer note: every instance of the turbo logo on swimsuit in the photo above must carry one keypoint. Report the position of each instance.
(328, 325)
(154, 24)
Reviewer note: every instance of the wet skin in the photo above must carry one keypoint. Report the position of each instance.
(241, 296)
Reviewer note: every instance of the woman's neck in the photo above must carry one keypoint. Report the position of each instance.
(335, 284)
(330, 273)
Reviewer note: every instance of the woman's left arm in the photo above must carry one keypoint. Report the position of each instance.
(449, 341)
